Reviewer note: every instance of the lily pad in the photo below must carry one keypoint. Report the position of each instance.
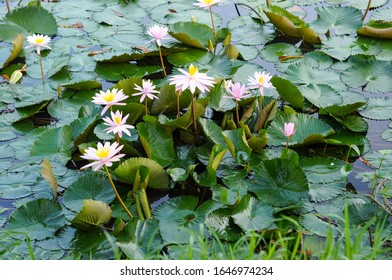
(90, 186)
(378, 108)
(27, 20)
(177, 216)
(38, 219)
(279, 183)
(192, 33)
(251, 214)
(93, 214)
(308, 130)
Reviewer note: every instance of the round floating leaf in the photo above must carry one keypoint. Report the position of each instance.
(274, 52)
(94, 213)
(238, 146)
(324, 192)
(382, 14)
(253, 34)
(157, 143)
(321, 96)
(337, 20)
(252, 214)
(27, 20)
(54, 144)
(192, 33)
(16, 185)
(354, 122)
(39, 219)
(302, 74)
(178, 215)
(279, 183)
(7, 55)
(167, 102)
(374, 75)
(220, 222)
(378, 108)
(323, 170)
(351, 102)
(288, 92)
(91, 186)
(387, 135)
(119, 71)
(212, 131)
(126, 172)
(317, 225)
(307, 130)
(189, 56)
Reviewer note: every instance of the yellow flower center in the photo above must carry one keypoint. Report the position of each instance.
(261, 80)
(117, 119)
(192, 70)
(207, 1)
(108, 96)
(39, 40)
(103, 152)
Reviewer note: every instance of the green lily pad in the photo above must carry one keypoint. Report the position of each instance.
(323, 170)
(177, 216)
(274, 52)
(372, 75)
(93, 214)
(54, 144)
(251, 214)
(279, 183)
(157, 143)
(378, 108)
(192, 33)
(16, 185)
(88, 187)
(238, 146)
(220, 222)
(27, 21)
(318, 226)
(7, 55)
(288, 92)
(126, 172)
(212, 131)
(308, 130)
(38, 219)
(337, 20)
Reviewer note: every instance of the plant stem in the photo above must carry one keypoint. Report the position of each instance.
(367, 10)
(213, 25)
(237, 114)
(260, 109)
(146, 106)
(287, 142)
(42, 69)
(163, 65)
(8, 6)
(194, 118)
(117, 195)
(178, 104)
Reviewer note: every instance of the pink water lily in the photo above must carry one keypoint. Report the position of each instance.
(117, 124)
(109, 98)
(158, 32)
(146, 90)
(289, 129)
(103, 155)
(237, 91)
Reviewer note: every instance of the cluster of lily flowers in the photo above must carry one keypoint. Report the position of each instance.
(106, 154)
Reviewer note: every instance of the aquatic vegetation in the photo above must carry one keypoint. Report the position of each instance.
(251, 136)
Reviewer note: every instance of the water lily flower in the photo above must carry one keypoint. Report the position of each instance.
(117, 124)
(146, 90)
(192, 79)
(289, 130)
(104, 155)
(237, 91)
(158, 32)
(109, 98)
(206, 4)
(260, 81)
(38, 41)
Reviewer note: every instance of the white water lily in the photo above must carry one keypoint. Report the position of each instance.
(103, 155)
(39, 41)
(146, 90)
(158, 32)
(206, 4)
(109, 98)
(260, 81)
(192, 79)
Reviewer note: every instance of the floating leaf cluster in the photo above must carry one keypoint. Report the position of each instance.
(277, 160)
